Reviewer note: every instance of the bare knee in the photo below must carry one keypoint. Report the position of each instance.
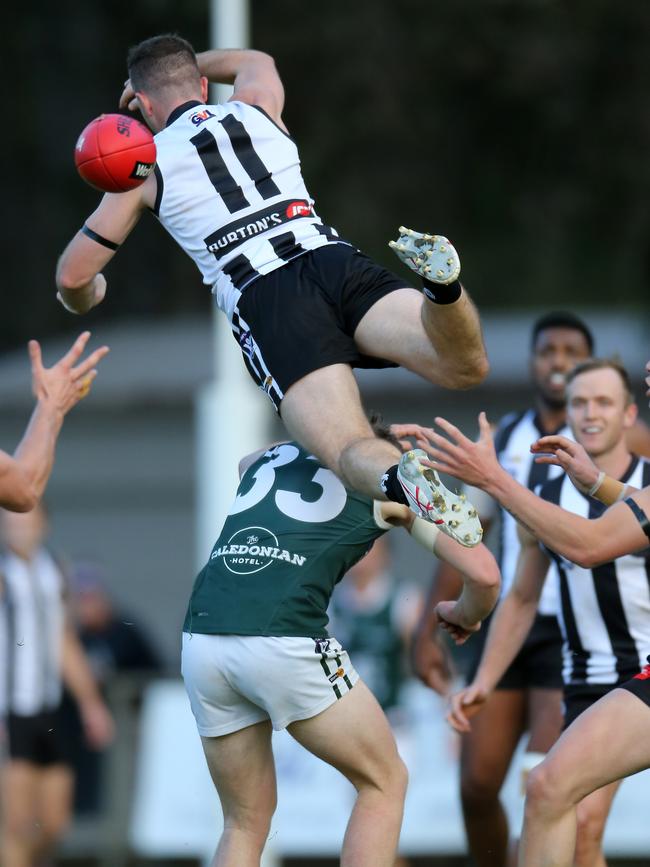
(478, 789)
(465, 372)
(53, 827)
(545, 793)
(254, 821)
(390, 781)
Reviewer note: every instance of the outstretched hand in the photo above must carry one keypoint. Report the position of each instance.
(464, 705)
(450, 620)
(405, 432)
(474, 463)
(571, 456)
(64, 384)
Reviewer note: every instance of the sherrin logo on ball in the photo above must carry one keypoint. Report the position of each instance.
(115, 153)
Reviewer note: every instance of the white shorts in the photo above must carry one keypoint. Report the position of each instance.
(234, 681)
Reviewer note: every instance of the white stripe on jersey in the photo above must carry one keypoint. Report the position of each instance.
(605, 612)
(32, 613)
(516, 433)
(229, 186)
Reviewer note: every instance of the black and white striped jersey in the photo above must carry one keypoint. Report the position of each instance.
(605, 611)
(512, 440)
(231, 193)
(32, 617)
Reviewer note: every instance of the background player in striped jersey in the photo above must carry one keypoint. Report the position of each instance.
(528, 697)
(305, 306)
(605, 611)
(39, 652)
(609, 740)
(57, 389)
(257, 654)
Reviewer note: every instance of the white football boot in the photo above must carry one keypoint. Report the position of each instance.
(431, 256)
(431, 500)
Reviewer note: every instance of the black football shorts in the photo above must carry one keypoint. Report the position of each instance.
(538, 665)
(39, 739)
(302, 316)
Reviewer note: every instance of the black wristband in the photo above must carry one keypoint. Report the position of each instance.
(441, 293)
(391, 486)
(639, 514)
(94, 236)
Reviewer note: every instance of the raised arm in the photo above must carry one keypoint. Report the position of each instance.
(583, 472)
(79, 281)
(252, 74)
(24, 476)
(586, 542)
(481, 585)
(509, 627)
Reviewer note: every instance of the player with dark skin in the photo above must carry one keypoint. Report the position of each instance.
(487, 750)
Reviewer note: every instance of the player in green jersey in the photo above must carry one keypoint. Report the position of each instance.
(257, 655)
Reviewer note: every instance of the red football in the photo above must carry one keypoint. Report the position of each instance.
(115, 153)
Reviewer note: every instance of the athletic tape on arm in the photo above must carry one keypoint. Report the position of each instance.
(425, 533)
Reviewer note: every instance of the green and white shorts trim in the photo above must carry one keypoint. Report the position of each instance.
(234, 681)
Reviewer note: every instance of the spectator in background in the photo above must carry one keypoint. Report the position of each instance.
(373, 615)
(39, 651)
(115, 644)
(113, 641)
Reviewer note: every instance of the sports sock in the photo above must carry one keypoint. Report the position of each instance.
(441, 293)
(391, 486)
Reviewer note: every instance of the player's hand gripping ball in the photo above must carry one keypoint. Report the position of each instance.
(115, 153)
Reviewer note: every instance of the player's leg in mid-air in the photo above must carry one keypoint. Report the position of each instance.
(435, 333)
(440, 341)
(606, 743)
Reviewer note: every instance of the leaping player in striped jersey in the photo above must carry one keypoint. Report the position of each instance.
(305, 305)
(608, 741)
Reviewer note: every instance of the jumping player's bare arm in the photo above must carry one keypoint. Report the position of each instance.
(586, 542)
(57, 389)
(80, 282)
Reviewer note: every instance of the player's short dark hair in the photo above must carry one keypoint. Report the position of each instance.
(614, 364)
(161, 61)
(382, 430)
(562, 319)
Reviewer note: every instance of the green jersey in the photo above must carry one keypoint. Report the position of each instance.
(290, 536)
